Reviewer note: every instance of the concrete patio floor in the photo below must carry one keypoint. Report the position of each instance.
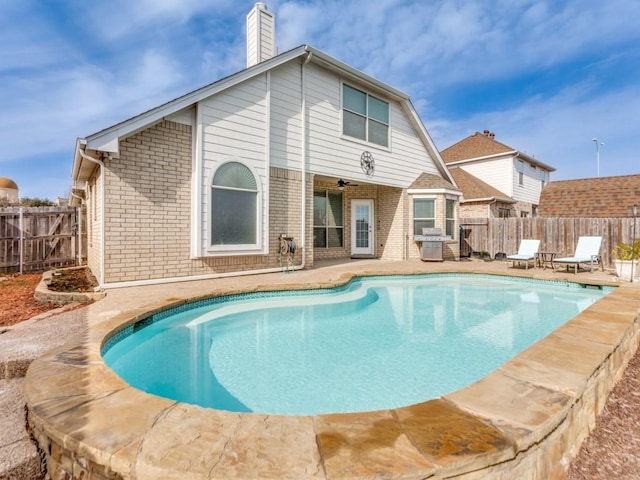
(25, 342)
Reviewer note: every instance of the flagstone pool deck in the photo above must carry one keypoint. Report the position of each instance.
(524, 420)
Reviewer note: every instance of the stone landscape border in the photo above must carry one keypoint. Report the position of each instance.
(46, 296)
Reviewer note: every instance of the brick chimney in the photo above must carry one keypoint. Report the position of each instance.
(261, 35)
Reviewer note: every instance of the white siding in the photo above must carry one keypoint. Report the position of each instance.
(530, 191)
(496, 172)
(285, 117)
(330, 153)
(260, 36)
(233, 125)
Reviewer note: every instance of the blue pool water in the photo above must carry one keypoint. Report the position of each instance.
(377, 343)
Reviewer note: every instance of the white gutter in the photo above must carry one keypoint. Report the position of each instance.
(102, 215)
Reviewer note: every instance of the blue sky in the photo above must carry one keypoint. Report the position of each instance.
(547, 76)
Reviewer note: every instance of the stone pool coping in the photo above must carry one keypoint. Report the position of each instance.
(530, 415)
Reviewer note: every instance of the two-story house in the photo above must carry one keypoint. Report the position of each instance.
(507, 182)
(298, 146)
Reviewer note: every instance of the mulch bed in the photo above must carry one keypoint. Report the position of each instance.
(16, 292)
(612, 451)
(16, 298)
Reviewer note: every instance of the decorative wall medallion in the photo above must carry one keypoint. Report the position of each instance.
(367, 163)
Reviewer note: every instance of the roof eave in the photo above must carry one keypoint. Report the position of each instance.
(490, 199)
(532, 160)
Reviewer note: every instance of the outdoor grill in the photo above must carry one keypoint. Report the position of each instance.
(431, 244)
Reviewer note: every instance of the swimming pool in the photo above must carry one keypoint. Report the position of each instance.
(376, 343)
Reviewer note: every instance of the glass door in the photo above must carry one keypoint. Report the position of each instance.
(362, 227)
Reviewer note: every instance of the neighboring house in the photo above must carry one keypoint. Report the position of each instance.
(603, 197)
(479, 199)
(516, 174)
(299, 145)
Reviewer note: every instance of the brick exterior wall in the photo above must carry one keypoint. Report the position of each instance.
(148, 205)
(450, 249)
(148, 214)
(148, 211)
(480, 209)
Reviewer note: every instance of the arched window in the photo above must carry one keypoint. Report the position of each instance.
(234, 206)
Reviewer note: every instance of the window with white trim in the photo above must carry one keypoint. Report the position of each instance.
(520, 172)
(364, 116)
(450, 218)
(234, 206)
(424, 214)
(543, 178)
(328, 228)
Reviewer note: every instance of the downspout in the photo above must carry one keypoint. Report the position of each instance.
(303, 119)
(100, 163)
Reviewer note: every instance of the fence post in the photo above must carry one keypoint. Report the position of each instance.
(20, 244)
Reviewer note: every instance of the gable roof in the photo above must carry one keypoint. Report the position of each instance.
(601, 197)
(428, 181)
(481, 146)
(475, 190)
(107, 140)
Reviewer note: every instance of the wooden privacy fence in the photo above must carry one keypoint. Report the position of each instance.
(500, 236)
(34, 239)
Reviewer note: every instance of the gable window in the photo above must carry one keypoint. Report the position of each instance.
(520, 172)
(424, 214)
(234, 206)
(450, 218)
(328, 226)
(365, 116)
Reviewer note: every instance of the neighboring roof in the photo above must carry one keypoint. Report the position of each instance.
(602, 197)
(428, 181)
(475, 190)
(8, 183)
(107, 140)
(479, 146)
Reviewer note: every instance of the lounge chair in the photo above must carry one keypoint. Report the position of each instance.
(587, 251)
(526, 253)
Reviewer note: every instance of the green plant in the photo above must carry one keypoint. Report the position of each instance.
(627, 251)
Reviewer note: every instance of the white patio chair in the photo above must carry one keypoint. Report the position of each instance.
(587, 251)
(526, 253)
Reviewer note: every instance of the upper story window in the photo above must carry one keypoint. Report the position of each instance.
(328, 226)
(520, 172)
(543, 178)
(424, 214)
(234, 206)
(365, 116)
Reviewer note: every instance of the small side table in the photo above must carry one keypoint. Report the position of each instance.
(546, 258)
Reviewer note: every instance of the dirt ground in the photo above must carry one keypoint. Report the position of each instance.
(16, 293)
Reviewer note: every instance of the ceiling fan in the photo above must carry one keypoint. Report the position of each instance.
(344, 183)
